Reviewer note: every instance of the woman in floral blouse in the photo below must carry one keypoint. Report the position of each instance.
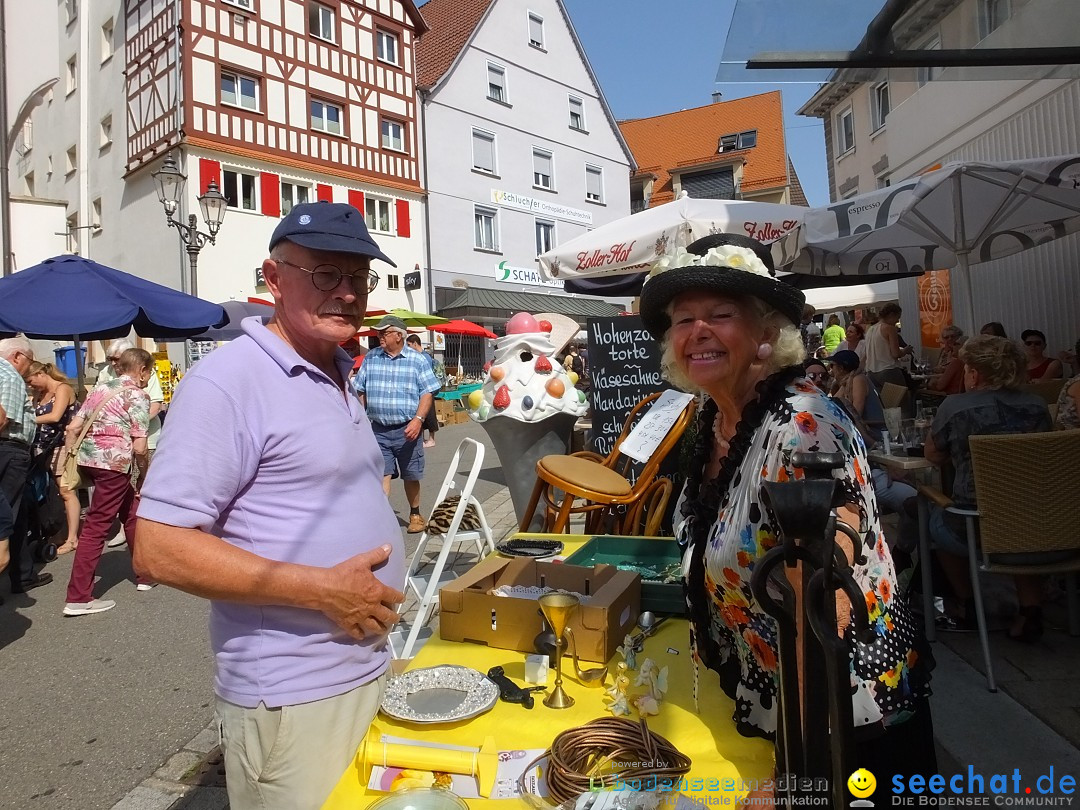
(113, 454)
(727, 328)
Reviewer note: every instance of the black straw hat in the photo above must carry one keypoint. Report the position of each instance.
(741, 278)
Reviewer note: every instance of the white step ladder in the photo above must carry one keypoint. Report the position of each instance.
(426, 587)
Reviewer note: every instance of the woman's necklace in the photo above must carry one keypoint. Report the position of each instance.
(718, 431)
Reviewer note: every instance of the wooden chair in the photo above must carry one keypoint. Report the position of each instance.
(604, 483)
(1049, 390)
(1027, 487)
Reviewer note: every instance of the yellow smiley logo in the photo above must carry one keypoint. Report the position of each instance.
(862, 783)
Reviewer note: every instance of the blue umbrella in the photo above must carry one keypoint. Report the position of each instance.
(69, 297)
(235, 312)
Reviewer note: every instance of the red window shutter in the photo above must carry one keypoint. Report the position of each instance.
(324, 192)
(209, 170)
(402, 217)
(356, 199)
(271, 194)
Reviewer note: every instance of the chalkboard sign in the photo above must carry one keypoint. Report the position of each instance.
(624, 366)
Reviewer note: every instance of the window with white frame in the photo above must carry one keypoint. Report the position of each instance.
(321, 22)
(107, 31)
(377, 214)
(577, 113)
(293, 194)
(927, 73)
(387, 46)
(992, 15)
(245, 4)
(879, 105)
(594, 183)
(536, 30)
(72, 75)
(393, 135)
(239, 189)
(483, 150)
(545, 236)
(393, 281)
(543, 169)
(238, 90)
(496, 82)
(485, 228)
(845, 131)
(325, 117)
(105, 132)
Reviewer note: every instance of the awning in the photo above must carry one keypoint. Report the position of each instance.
(477, 302)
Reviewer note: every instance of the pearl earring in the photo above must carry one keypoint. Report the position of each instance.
(764, 351)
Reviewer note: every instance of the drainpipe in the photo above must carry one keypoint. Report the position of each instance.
(423, 96)
(5, 137)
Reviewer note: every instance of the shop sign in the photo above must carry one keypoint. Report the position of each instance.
(523, 275)
(537, 205)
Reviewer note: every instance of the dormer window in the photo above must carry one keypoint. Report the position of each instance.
(737, 140)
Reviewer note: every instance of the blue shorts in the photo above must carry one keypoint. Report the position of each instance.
(400, 456)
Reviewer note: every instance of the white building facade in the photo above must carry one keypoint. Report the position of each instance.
(277, 101)
(521, 150)
(885, 131)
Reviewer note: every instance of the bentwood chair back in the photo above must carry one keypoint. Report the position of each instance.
(605, 483)
(1027, 487)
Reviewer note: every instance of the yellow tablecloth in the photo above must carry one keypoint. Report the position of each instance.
(709, 738)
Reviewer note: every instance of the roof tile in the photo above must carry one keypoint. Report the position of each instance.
(450, 25)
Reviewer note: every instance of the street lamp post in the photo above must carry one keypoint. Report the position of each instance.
(170, 182)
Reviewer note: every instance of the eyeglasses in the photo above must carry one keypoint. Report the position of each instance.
(817, 375)
(327, 277)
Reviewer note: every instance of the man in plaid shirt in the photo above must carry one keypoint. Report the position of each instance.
(396, 385)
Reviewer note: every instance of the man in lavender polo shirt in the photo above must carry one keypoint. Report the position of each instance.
(266, 497)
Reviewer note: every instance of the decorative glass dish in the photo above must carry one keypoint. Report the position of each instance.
(442, 694)
(420, 799)
(529, 547)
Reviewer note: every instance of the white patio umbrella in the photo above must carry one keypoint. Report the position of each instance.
(958, 215)
(632, 243)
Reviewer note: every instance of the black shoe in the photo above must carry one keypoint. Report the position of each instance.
(43, 578)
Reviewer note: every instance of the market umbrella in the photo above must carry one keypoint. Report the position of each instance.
(236, 311)
(960, 214)
(632, 243)
(411, 318)
(72, 298)
(465, 328)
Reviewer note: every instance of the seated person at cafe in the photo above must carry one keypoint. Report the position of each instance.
(861, 400)
(815, 372)
(994, 370)
(993, 328)
(1068, 417)
(948, 376)
(1039, 366)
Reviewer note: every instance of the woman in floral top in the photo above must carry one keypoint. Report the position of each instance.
(113, 454)
(727, 327)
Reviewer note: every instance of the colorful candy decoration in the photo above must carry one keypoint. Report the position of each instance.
(580, 396)
(527, 403)
(545, 327)
(573, 377)
(521, 324)
(502, 398)
(487, 366)
(555, 388)
(543, 365)
(497, 373)
(476, 398)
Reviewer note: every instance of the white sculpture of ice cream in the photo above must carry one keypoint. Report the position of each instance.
(528, 405)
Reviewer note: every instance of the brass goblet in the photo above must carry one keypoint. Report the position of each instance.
(557, 608)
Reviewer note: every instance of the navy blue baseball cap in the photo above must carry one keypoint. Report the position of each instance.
(333, 227)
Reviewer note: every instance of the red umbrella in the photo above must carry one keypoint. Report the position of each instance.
(462, 328)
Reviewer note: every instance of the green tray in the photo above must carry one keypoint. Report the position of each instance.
(646, 556)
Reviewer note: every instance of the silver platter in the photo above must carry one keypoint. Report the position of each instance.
(442, 694)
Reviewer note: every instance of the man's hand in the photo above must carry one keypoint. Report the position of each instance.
(413, 428)
(355, 600)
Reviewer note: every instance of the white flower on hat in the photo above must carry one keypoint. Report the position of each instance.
(731, 256)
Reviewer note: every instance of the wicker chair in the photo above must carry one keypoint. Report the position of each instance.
(1027, 487)
(1047, 389)
(604, 483)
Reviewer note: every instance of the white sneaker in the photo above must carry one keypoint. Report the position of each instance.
(145, 586)
(119, 540)
(86, 608)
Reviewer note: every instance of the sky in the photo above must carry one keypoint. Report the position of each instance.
(658, 56)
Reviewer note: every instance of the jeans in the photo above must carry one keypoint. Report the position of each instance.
(14, 469)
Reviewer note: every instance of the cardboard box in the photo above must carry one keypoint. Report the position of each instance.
(469, 612)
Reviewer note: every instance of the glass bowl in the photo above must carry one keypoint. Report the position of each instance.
(420, 799)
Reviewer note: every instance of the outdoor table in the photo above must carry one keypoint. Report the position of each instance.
(915, 464)
(708, 737)
(460, 392)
